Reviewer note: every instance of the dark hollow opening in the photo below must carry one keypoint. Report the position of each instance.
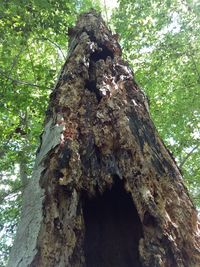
(91, 86)
(102, 54)
(112, 229)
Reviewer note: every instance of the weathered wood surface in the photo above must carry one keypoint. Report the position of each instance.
(106, 191)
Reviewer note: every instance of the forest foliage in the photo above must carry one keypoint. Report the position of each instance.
(161, 42)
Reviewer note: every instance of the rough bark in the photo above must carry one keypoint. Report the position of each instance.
(105, 191)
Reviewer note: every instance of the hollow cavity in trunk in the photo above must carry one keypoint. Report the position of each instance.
(113, 229)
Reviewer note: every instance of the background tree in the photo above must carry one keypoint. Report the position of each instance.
(160, 40)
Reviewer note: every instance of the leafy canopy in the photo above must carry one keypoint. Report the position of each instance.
(159, 39)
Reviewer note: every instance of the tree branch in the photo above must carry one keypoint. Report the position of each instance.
(15, 61)
(188, 155)
(11, 194)
(32, 65)
(55, 44)
(21, 82)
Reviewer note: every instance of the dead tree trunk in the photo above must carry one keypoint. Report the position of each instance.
(105, 190)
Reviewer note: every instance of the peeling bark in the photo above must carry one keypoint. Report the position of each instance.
(106, 191)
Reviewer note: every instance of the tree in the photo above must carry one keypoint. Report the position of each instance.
(105, 190)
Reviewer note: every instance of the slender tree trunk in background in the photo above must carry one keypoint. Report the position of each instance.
(105, 190)
(23, 169)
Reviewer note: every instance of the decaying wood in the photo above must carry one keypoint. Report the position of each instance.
(106, 191)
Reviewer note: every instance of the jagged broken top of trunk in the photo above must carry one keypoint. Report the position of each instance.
(99, 148)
